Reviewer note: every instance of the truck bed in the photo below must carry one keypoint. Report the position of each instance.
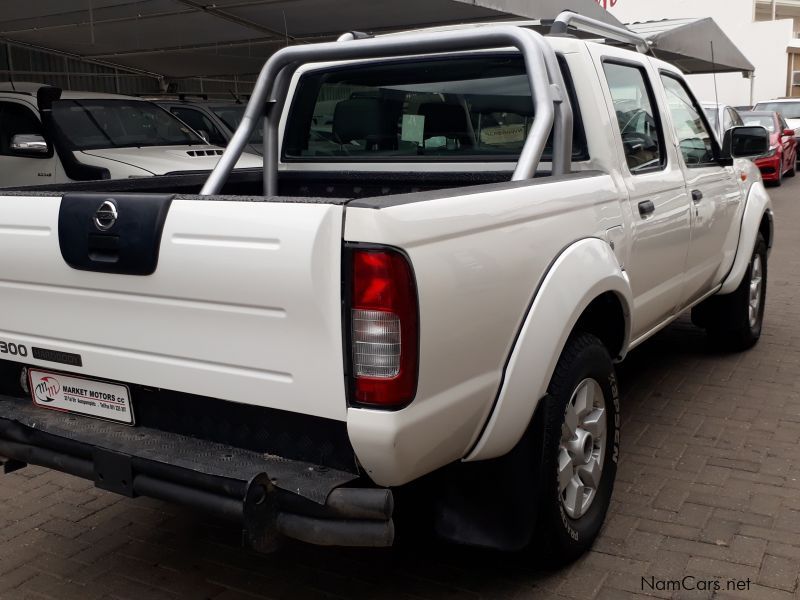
(327, 187)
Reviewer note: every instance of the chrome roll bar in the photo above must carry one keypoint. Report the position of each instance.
(552, 109)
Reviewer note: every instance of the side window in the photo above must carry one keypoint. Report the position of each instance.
(736, 119)
(16, 119)
(200, 122)
(697, 144)
(639, 124)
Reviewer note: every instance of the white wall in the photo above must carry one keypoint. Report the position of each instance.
(763, 43)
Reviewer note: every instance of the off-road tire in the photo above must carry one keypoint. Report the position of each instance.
(560, 539)
(727, 318)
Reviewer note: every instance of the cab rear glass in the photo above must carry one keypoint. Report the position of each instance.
(475, 108)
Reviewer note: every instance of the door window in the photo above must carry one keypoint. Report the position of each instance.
(16, 119)
(639, 125)
(696, 142)
(200, 122)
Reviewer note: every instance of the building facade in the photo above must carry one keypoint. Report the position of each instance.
(764, 30)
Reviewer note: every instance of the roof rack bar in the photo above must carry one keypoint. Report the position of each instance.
(568, 18)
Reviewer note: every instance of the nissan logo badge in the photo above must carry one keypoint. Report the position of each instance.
(106, 215)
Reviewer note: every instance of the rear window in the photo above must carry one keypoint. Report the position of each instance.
(789, 110)
(445, 109)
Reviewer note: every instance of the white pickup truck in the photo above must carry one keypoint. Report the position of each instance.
(425, 291)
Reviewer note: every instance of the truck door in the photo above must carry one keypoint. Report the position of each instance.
(716, 197)
(658, 200)
(24, 160)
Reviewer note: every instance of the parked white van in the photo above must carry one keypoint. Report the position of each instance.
(49, 136)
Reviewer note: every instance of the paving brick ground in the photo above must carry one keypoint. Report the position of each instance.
(708, 487)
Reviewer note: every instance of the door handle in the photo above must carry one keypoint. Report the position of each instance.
(646, 207)
(697, 195)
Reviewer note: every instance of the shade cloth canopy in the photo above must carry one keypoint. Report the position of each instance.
(688, 43)
(194, 38)
(207, 38)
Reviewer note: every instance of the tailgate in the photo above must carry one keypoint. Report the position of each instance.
(242, 301)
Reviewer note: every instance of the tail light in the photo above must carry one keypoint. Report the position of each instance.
(383, 327)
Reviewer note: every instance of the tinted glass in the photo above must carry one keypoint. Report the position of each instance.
(16, 119)
(697, 145)
(435, 109)
(200, 122)
(232, 117)
(790, 110)
(109, 123)
(638, 123)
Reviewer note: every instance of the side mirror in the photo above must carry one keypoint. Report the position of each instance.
(204, 134)
(788, 133)
(745, 142)
(29, 144)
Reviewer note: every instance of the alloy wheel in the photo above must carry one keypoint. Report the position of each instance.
(582, 448)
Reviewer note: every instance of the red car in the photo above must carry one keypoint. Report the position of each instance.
(782, 156)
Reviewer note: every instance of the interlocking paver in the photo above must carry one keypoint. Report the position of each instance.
(708, 486)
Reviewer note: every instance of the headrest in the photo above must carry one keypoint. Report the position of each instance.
(441, 119)
(520, 105)
(365, 119)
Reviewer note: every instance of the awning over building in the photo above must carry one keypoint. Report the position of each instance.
(189, 38)
(688, 43)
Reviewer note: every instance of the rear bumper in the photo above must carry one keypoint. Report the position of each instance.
(268, 497)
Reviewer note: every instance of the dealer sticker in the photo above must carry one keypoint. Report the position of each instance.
(89, 397)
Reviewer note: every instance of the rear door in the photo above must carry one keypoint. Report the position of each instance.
(659, 204)
(717, 200)
(237, 300)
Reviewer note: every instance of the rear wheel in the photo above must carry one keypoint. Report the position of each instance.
(581, 449)
(734, 321)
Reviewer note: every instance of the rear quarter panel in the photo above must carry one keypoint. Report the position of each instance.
(478, 256)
